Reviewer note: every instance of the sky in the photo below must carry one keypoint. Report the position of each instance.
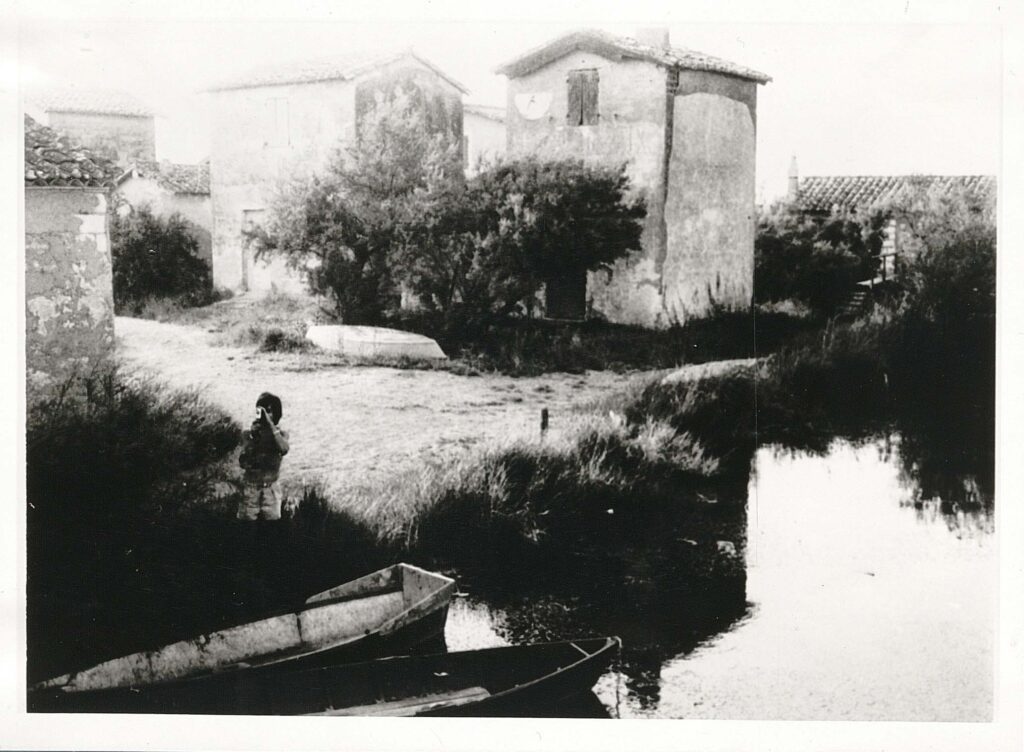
(898, 95)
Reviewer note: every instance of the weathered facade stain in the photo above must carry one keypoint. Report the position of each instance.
(687, 140)
(267, 133)
(68, 283)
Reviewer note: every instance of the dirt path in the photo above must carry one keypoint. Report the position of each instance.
(352, 424)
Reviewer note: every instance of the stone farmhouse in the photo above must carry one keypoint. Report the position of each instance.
(69, 292)
(169, 188)
(827, 194)
(281, 122)
(110, 124)
(684, 123)
(483, 134)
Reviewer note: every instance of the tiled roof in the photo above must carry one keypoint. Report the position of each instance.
(485, 111)
(617, 48)
(847, 192)
(337, 67)
(177, 178)
(52, 160)
(92, 101)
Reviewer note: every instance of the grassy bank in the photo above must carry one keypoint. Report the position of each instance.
(132, 490)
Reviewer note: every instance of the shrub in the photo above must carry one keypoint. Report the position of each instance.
(155, 258)
(339, 227)
(814, 260)
(487, 247)
(103, 446)
(277, 339)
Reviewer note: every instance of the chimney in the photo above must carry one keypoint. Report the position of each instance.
(794, 180)
(654, 36)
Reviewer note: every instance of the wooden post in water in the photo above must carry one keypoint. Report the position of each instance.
(543, 422)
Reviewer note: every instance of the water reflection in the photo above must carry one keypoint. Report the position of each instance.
(843, 604)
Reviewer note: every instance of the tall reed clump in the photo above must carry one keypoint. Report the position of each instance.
(556, 509)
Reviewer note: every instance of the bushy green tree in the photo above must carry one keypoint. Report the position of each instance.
(155, 257)
(950, 275)
(340, 226)
(487, 247)
(815, 260)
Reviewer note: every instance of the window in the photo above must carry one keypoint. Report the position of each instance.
(276, 116)
(582, 98)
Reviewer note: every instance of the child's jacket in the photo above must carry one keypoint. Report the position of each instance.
(260, 457)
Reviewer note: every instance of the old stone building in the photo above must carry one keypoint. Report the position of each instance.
(826, 194)
(483, 134)
(684, 124)
(286, 121)
(69, 294)
(169, 188)
(111, 124)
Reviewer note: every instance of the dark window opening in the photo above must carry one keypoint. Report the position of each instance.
(582, 97)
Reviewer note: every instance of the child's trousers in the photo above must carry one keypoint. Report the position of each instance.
(262, 501)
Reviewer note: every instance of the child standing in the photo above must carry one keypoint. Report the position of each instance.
(263, 446)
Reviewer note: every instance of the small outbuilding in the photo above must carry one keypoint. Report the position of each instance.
(821, 195)
(168, 188)
(684, 124)
(69, 292)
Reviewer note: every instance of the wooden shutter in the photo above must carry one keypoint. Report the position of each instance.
(582, 105)
(574, 113)
(589, 114)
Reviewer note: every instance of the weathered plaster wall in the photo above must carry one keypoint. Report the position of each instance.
(120, 138)
(249, 160)
(710, 206)
(631, 129)
(690, 153)
(485, 139)
(196, 208)
(69, 289)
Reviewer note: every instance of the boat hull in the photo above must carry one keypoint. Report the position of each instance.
(392, 610)
(533, 680)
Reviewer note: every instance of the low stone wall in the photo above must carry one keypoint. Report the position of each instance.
(69, 290)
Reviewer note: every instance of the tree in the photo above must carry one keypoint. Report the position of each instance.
(815, 260)
(155, 257)
(341, 226)
(488, 246)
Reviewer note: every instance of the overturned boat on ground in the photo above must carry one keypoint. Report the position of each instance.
(382, 613)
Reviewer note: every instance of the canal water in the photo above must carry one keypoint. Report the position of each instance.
(864, 600)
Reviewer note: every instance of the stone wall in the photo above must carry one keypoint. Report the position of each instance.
(120, 138)
(710, 204)
(68, 283)
(196, 208)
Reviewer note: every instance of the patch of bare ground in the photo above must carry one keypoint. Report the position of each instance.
(355, 426)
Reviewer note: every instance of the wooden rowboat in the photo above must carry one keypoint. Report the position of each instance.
(508, 681)
(382, 613)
